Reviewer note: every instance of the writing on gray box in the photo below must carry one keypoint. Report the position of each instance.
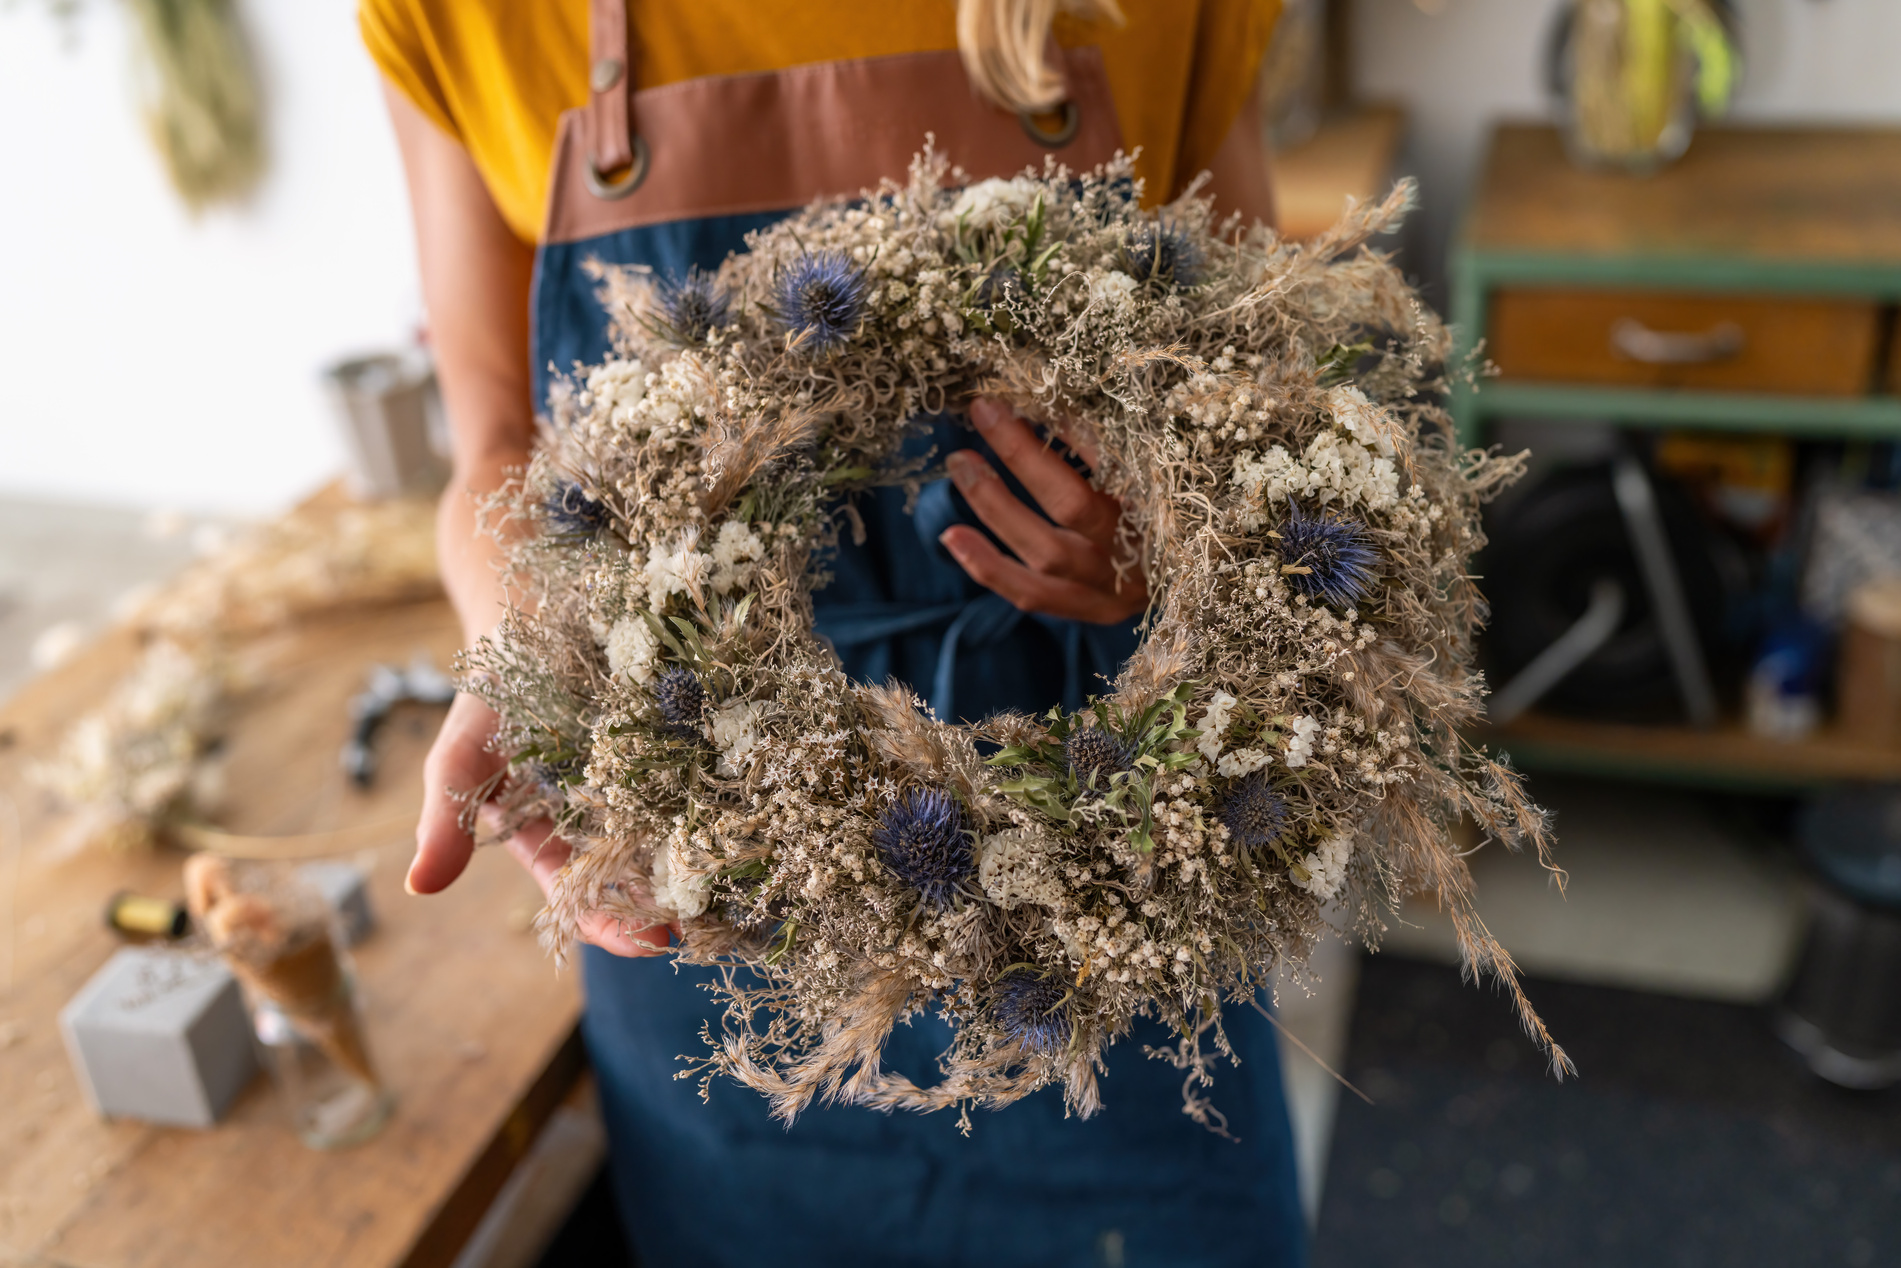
(160, 1035)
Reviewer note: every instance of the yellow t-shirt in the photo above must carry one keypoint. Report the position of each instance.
(496, 74)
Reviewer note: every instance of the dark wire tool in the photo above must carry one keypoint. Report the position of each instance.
(421, 683)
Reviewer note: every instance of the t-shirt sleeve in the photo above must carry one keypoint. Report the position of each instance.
(400, 45)
(1230, 41)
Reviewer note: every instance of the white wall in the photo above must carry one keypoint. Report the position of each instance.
(1458, 64)
(150, 359)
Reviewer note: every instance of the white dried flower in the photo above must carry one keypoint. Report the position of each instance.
(1326, 867)
(1367, 423)
(676, 886)
(1214, 721)
(1112, 288)
(1300, 743)
(734, 732)
(1013, 867)
(734, 553)
(139, 754)
(631, 647)
(683, 388)
(1334, 468)
(618, 388)
(993, 203)
(675, 570)
(1243, 761)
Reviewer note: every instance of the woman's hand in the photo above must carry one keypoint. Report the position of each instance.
(1068, 569)
(459, 761)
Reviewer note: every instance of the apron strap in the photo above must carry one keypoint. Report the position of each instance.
(614, 146)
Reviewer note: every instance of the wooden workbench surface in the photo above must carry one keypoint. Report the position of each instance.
(471, 1024)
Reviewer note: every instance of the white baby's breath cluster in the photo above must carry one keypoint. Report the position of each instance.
(147, 763)
(141, 760)
(1286, 742)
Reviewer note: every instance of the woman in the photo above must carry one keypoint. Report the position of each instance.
(657, 133)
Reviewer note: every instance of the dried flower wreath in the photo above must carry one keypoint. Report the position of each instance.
(1287, 737)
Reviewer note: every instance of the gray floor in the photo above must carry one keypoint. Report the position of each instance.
(1668, 891)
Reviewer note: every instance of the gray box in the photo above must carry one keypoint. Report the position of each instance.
(160, 1035)
(346, 887)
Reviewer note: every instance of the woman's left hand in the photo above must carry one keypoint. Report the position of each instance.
(1068, 568)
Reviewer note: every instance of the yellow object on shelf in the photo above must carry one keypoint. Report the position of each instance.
(1636, 73)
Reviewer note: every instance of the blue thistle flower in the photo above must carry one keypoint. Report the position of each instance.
(1033, 1009)
(693, 305)
(1253, 812)
(921, 839)
(1094, 755)
(1338, 558)
(570, 512)
(554, 776)
(821, 297)
(681, 700)
(1165, 252)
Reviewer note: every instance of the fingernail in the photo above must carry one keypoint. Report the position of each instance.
(964, 469)
(408, 887)
(948, 540)
(984, 412)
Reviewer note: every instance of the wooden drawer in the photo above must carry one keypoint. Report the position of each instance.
(1893, 358)
(1804, 347)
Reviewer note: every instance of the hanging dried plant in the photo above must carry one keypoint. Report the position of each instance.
(201, 98)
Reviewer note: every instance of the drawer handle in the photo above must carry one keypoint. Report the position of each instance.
(1634, 341)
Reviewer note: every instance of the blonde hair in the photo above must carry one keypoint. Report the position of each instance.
(1004, 43)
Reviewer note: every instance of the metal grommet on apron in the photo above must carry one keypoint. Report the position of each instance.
(675, 176)
(1059, 136)
(619, 187)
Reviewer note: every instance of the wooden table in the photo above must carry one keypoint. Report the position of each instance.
(471, 1024)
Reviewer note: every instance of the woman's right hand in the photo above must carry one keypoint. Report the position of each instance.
(460, 760)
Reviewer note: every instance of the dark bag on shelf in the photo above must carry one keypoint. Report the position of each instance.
(1548, 550)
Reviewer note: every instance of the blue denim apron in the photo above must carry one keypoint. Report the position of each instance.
(675, 177)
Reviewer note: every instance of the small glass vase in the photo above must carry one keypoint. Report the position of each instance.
(315, 1051)
(1626, 85)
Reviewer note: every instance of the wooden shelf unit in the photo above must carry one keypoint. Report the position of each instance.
(1795, 212)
